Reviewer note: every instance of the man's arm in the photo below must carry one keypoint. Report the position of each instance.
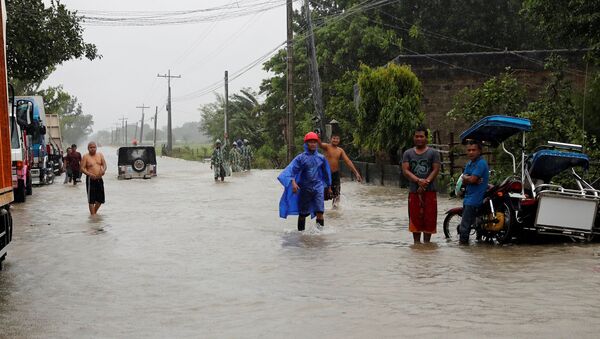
(351, 166)
(104, 167)
(408, 174)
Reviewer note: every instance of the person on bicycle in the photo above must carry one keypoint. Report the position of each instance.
(475, 178)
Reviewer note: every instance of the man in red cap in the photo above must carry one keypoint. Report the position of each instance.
(305, 180)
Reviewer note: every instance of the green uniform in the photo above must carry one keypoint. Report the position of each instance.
(217, 162)
(247, 155)
(235, 158)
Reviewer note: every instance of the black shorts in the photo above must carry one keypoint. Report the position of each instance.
(336, 185)
(95, 190)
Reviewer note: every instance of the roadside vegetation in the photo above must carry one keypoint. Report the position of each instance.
(359, 48)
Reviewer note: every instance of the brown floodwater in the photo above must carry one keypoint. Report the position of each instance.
(182, 256)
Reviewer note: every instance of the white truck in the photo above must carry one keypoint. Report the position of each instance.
(54, 142)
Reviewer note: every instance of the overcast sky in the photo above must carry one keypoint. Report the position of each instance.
(125, 77)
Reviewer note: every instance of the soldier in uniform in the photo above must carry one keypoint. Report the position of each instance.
(217, 162)
(247, 155)
(235, 158)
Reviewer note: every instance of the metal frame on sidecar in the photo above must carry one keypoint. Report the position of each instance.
(565, 200)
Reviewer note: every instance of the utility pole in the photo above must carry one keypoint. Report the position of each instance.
(116, 139)
(315, 83)
(142, 128)
(169, 110)
(226, 134)
(155, 117)
(135, 133)
(290, 83)
(124, 129)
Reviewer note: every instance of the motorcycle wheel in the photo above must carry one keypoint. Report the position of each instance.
(451, 226)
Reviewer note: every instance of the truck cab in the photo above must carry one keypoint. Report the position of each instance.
(21, 178)
(42, 168)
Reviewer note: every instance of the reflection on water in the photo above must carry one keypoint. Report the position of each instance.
(182, 256)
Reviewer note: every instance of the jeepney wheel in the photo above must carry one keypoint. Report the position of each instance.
(29, 186)
(451, 226)
(19, 192)
(139, 165)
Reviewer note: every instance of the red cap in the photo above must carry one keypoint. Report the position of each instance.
(311, 136)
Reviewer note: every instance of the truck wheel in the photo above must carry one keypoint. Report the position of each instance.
(29, 186)
(19, 192)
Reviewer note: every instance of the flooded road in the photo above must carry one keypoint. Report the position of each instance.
(182, 256)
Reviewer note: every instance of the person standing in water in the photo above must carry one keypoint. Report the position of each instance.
(305, 180)
(333, 153)
(66, 167)
(217, 162)
(93, 165)
(74, 160)
(421, 165)
(475, 177)
(235, 158)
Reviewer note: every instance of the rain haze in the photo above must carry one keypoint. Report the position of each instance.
(200, 51)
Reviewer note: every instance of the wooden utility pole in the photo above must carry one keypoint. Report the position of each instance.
(290, 83)
(142, 128)
(315, 83)
(226, 132)
(169, 110)
(155, 117)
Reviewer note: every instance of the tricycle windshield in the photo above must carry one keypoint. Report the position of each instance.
(546, 164)
(495, 129)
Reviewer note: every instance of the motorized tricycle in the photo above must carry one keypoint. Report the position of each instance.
(496, 218)
(552, 208)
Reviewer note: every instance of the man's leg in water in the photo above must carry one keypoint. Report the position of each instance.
(97, 207)
(301, 222)
(320, 219)
(426, 237)
(417, 237)
(92, 208)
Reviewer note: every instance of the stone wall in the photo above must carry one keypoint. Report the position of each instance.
(444, 75)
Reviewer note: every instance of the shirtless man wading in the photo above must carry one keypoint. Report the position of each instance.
(93, 166)
(334, 153)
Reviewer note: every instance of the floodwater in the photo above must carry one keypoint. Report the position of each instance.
(180, 256)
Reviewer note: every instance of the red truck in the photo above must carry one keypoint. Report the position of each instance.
(6, 189)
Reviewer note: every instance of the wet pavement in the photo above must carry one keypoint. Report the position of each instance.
(182, 256)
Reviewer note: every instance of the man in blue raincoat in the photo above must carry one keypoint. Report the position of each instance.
(305, 180)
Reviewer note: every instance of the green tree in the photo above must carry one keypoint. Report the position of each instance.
(75, 125)
(349, 33)
(389, 108)
(575, 23)
(501, 95)
(40, 38)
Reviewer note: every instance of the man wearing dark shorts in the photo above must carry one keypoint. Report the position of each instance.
(421, 165)
(333, 153)
(93, 166)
